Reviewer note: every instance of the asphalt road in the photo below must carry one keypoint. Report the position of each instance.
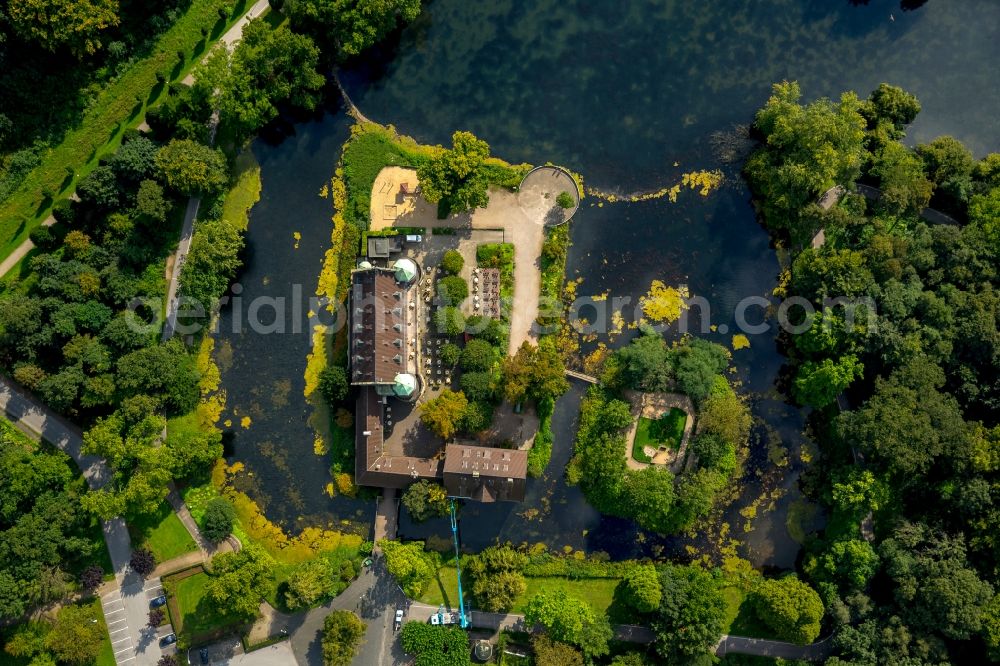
(374, 596)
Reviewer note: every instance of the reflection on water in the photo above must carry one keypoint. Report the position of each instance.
(629, 95)
(263, 374)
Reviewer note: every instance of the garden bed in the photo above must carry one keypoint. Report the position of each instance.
(666, 431)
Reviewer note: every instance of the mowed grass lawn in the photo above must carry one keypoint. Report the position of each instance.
(114, 110)
(162, 533)
(598, 592)
(665, 431)
(197, 615)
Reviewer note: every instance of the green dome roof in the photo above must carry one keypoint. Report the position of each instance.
(406, 270)
(406, 385)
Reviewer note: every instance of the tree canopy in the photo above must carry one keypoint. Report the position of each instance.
(342, 633)
(457, 176)
(192, 168)
(690, 617)
(809, 149)
(269, 67)
(443, 414)
(55, 24)
(790, 607)
(347, 27)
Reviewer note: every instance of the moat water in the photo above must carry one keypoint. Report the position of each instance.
(630, 95)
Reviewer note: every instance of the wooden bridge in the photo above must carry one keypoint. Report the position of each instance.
(582, 377)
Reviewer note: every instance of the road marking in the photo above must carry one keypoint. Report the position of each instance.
(124, 649)
(122, 661)
(154, 586)
(120, 610)
(120, 640)
(118, 592)
(116, 631)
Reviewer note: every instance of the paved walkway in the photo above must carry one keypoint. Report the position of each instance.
(761, 647)
(386, 515)
(21, 251)
(653, 406)
(522, 216)
(176, 262)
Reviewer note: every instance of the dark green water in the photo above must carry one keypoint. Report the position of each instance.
(263, 373)
(620, 92)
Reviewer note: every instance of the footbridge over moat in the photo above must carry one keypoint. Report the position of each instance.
(582, 377)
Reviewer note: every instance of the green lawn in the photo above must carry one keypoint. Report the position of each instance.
(665, 431)
(162, 533)
(598, 592)
(114, 110)
(196, 616)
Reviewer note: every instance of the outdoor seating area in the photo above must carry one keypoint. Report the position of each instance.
(436, 374)
(486, 292)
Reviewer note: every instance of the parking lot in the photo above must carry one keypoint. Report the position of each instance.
(126, 612)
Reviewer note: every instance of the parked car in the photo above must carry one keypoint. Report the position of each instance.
(444, 618)
(414, 238)
(158, 601)
(203, 655)
(169, 639)
(399, 620)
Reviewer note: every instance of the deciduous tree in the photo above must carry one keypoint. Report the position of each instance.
(641, 588)
(563, 616)
(239, 580)
(269, 67)
(789, 607)
(342, 633)
(76, 635)
(348, 27)
(410, 564)
(425, 499)
(77, 25)
(691, 615)
(443, 414)
(217, 520)
(457, 176)
(191, 168)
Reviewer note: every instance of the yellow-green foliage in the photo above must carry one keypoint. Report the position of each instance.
(664, 304)
(245, 191)
(316, 360)
(704, 182)
(253, 526)
(741, 341)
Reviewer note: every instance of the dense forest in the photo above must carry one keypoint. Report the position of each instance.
(908, 561)
(81, 318)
